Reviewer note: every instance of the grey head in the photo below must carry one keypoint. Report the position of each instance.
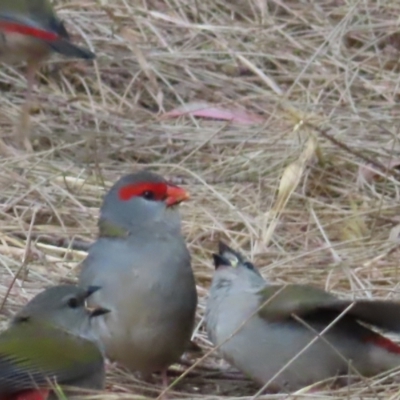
(233, 271)
(63, 307)
(141, 200)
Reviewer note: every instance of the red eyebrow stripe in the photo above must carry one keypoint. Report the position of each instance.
(128, 191)
(12, 27)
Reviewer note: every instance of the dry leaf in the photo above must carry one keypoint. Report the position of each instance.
(206, 110)
(289, 181)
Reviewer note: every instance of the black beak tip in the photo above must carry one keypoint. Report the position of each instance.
(220, 260)
(99, 311)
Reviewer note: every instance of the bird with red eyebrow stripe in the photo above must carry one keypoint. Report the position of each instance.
(29, 32)
(142, 264)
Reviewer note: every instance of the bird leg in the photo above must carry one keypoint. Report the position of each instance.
(7, 151)
(164, 379)
(23, 129)
(23, 126)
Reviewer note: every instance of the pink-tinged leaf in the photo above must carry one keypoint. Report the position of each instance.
(205, 110)
(368, 173)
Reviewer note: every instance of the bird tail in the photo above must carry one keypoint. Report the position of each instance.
(69, 49)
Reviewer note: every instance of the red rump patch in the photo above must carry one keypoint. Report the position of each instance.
(159, 191)
(42, 394)
(13, 27)
(384, 343)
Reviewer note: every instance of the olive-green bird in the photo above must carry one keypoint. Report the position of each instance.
(29, 32)
(50, 341)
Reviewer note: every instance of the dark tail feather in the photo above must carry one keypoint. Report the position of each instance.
(384, 314)
(68, 49)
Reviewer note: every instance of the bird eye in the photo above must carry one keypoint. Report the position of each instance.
(20, 319)
(148, 194)
(249, 265)
(73, 302)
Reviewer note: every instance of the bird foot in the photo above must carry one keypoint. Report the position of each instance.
(8, 151)
(22, 134)
(109, 365)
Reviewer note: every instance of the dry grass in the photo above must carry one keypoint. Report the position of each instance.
(326, 70)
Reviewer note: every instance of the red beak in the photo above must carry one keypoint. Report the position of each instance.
(175, 195)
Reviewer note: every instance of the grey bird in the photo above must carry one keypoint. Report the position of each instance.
(29, 32)
(50, 341)
(142, 264)
(271, 332)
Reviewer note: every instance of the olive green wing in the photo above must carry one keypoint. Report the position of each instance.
(279, 302)
(25, 7)
(33, 355)
(28, 12)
